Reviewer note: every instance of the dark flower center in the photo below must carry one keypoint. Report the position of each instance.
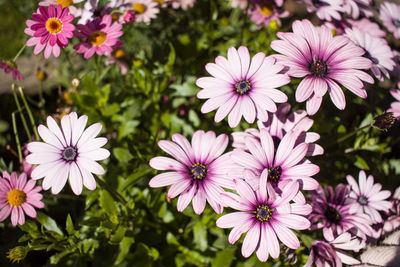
(362, 200)
(242, 87)
(332, 215)
(274, 174)
(396, 22)
(373, 59)
(69, 153)
(198, 171)
(318, 68)
(264, 213)
(318, 3)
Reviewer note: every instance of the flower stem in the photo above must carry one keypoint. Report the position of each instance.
(19, 53)
(28, 132)
(341, 139)
(16, 137)
(28, 109)
(117, 196)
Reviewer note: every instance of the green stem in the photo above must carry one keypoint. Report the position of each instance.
(117, 196)
(341, 139)
(28, 109)
(28, 132)
(16, 137)
(19, 53)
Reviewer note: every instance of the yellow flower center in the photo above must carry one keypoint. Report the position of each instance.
(54, 25)
(97, 38)
(114, 17)
(64, 3)
(266, 9)
(16, 197)
(119, 53)
(159, 1)
(139, 8)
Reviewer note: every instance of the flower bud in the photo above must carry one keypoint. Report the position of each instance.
(384, 121)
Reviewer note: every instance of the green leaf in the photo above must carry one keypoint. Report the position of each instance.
(48, 223)
(108, 204)
(134, 177)
(361, 163)
(54, 259)
(200, 236)
(122, 154)
(69, 226)
(224, 258)
(118, 235)
(124, 247)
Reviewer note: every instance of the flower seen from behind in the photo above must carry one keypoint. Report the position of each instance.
(9, 66)
(69, 153)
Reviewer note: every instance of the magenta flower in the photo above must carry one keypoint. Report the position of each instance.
(264, 12)
(376, 49)
(325, 9)
(64, 3)
(265, 218)
(100, 36)
(333, 215)
(282, 165)
(390, 16)
(10, 67)
(324, 60)
(395, 106)
(241, 87)
(365, 25)
(367, 197)
(68, 154)
(198, 172)
(18, 197)
(50, 30)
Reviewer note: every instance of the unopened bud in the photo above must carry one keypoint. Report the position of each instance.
(75, 82)
(41, 75)
(17, 254)
(384, 121)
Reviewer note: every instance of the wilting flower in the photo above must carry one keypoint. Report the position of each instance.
(69, 153)
(330, 254)
(376, 49)
(325, 61)
(265, 217)
(240, 87)
(50, 30)
(64, 3)
(10, 67)
(100, 36)
(118, 56)
(282, 165)
(264, 12)
(198, 172)
(325, 9)
(145, 10)
(390, 16)
(357, 7)
(18, 197)
(367, 197)
(395, 106)
(334, 216)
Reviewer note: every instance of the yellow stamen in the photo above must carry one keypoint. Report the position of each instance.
(159, 1)
(64, 3)
(119, 53)
(139, 8)
(16, 197)
(97, 38)
(266, 9)
(54, 25)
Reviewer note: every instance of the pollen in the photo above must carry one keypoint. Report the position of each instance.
(139, 8)
(274, 174)
(16, 197)
(198, 171)
(266, 9)
(97, 38)
(53, 25)
(264, 213)
(64, 3)
(242, 87)
(319, 68)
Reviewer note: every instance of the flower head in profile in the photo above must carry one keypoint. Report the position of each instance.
(242, 87)
(367, 197)
(9, 66)
(100, 36)
(197, 172)
(18, 197)
(376, 49)
(324, 61)
(50, 30)
(69, 153)
(264, 12)
(265, 217)
(390, 16)
(144, 10)
(395, 106)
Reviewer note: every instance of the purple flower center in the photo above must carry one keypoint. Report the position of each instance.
(319, 68)
(274, 174)
(362, 200)
(396, 22)
(332, 215)
(242, 87)
(264, 213)
(198, 171)
(69, 154)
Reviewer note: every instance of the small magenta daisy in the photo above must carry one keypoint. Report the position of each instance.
(324, 61)
(264, 216)
(50, 30)
(197, 172)
(100, 36)
(69, 153)
(240, 87)
(18, 197)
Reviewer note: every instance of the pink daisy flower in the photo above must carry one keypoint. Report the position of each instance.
(282, 165)
(390, 16)
(392, 217)
(324, 61)
(356, 8)
(265, 217)
(10, 67)
(184, 4)
(145, 10)
(376, 49)
(100, 36)
(18, 197)
(325, 9)
(118, 56)
(365, 25)
(64, 3)
(367, 197)
(50, 30)
(264, 12)
(395, 106)
(240, 87)
(69, 153)
(198, 172)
